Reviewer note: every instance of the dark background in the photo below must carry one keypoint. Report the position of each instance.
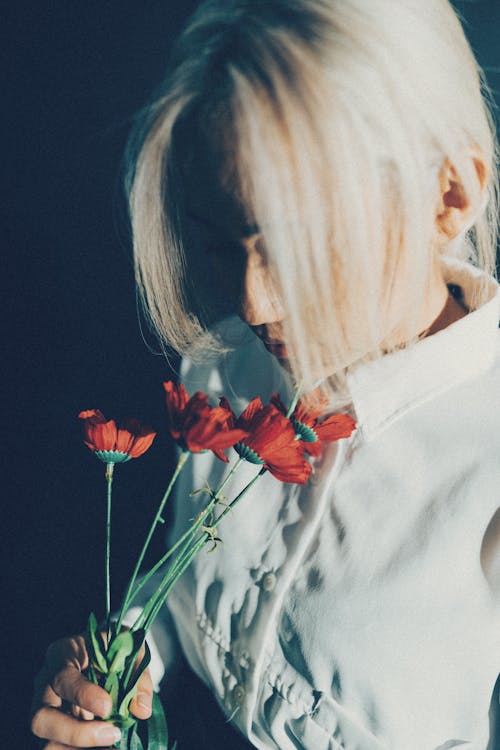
(76, 73)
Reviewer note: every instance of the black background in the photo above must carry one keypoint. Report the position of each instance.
(77, 71)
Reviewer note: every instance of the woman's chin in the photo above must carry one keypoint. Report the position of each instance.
(277, 349)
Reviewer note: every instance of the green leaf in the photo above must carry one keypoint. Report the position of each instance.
(131, 688)
(130, 740)
(97, 653)
(157, 727)
(112, 629)
(135, 741)
(128, 670)
(122, 722)
(121, 647)
(139, 636)
(112, 686)
(91, 675)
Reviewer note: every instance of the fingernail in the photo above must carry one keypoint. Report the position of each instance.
(143, 701)
(109, 735)
(103, 708)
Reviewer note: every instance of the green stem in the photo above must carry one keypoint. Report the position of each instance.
(186, 539)
(239, 496)
(171, 573)
(184, 558)
(188, 533)
(109, 478)
(127, 599)
(157, 566)
(187, 549)
(180, 570)
(293, 402)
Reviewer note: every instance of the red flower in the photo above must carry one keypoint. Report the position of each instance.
(114, 444)
(272, 443)
(197, 426)
(310, 430)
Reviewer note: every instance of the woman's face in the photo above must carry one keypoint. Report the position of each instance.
(238, 258)
(236, 251)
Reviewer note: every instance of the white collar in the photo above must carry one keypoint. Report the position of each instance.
(386, 388)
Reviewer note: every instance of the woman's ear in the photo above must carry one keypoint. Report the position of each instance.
(454, 209)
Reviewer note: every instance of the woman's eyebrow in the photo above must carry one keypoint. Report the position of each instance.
(247, 230)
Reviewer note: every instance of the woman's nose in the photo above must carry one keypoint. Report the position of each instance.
(260, 300)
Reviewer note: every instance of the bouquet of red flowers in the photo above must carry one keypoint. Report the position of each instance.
(274, 438)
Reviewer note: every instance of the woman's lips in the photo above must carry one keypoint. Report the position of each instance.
(277, 348)
(273, 343)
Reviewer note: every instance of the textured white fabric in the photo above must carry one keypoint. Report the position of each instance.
(353, 613)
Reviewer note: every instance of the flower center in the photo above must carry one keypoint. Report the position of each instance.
(248, 454)
(304, 433)
(113, 457)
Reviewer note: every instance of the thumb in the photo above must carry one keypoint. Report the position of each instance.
(141, 704)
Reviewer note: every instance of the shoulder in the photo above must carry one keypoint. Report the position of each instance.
(478, 400)
(467, 412)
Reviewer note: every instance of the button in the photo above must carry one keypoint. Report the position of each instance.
(238, 694)
(269, 582)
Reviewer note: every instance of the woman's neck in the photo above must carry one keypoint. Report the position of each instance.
(450, 313)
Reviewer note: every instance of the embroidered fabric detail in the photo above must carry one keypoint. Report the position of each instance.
(215, 634)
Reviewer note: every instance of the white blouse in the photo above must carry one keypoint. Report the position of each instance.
(353, 613)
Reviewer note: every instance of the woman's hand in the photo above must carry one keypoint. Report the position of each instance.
(66, 705)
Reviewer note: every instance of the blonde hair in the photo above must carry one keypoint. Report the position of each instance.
(338, 116)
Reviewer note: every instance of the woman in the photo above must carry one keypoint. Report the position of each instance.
(326, 170)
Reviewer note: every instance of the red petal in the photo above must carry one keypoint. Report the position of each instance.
(176, 394)
(208, 430)
(198, 400)
(102, 435)
(250, 412)
(274, 435)
(335, 427)
(177, 400)
(309, 410)
(222, 415)
(224, 404)
(124, 441)
(278, 403)
(313, 449)
(296, 473)
(221, 455)
(227, 439)
(94, 415)
(136, 427)
(141, 444)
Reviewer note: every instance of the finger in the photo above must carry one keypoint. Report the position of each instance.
(60, 654)
(49, 698)
(72, 650)
(51, 724)
(71, 685)
(81, 713)
(43, 692)
(141, 704)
